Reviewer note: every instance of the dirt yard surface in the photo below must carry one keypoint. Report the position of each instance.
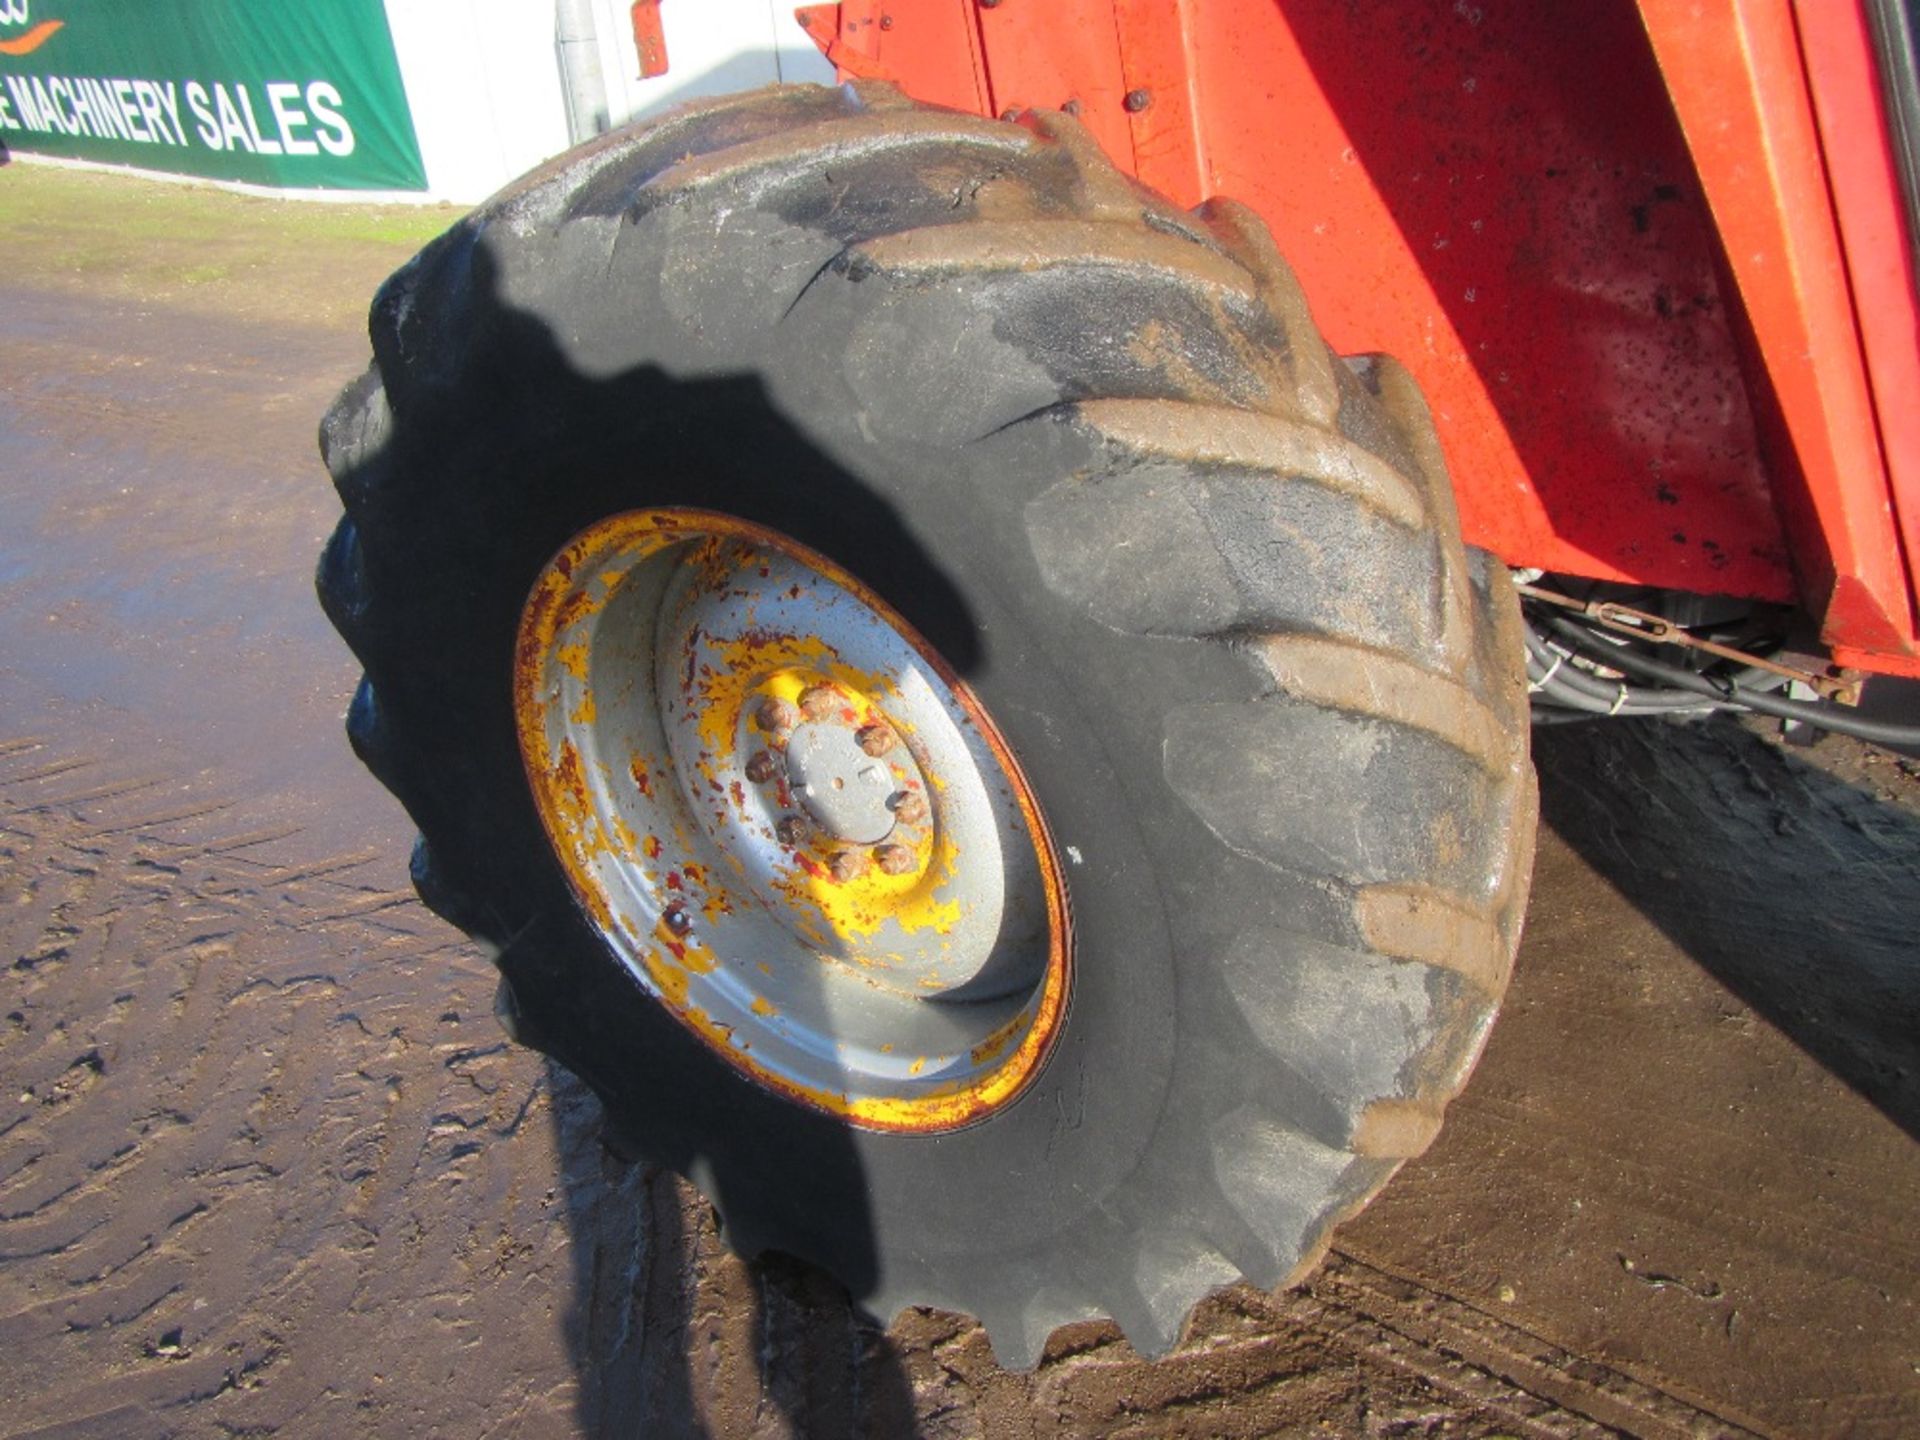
(267, 1166)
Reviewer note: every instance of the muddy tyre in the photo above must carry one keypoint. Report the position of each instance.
(1088, 456)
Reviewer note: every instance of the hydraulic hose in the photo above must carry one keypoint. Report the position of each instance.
(1821, 713)
(1550, 678)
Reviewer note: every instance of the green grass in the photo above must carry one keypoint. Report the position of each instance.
(124, 237)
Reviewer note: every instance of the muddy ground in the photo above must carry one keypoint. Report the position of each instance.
(267, 1166)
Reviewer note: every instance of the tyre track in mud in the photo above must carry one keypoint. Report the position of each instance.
(245, 1155)
(1358, 1352)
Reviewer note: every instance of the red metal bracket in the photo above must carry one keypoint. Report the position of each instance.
(649, 39)
(929, 48)
(1736, 76)
(846, 35)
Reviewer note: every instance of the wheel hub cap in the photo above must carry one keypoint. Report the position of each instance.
(849, 793)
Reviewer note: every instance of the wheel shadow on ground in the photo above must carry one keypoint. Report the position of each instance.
(670, 1334)
(1796, 890)
(458, 506)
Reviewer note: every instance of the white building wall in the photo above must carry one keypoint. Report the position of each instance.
(714, 47)
(483, 76)
(484, 89)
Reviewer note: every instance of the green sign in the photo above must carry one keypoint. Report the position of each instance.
(292, 93)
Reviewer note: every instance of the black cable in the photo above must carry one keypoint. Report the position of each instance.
(1570, 686)
(1821, 713)
(1561, 715)
(1552, 681)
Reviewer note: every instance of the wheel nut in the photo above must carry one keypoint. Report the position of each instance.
(818, 701)
(847, 865)
(775, 715)
(792, 830)
(676, 919)
(760, 767)
(893, 859)
(875, 739)
(1137, 100)
(910, 809)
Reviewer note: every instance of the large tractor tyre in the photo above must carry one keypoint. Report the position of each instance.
(969, 729)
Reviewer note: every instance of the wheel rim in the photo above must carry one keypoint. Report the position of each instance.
(793, 823)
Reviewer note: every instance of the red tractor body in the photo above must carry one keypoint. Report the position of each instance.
(1651, 263)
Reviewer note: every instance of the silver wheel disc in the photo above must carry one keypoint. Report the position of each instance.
(790, 820)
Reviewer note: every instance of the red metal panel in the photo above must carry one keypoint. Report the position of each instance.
(1501, 197)
(1060, 55)
(1734, 70)
(1165, 111)
(929, 48)
(649, 39)
(1865, 186)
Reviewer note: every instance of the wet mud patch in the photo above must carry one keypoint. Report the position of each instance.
(237, 1141)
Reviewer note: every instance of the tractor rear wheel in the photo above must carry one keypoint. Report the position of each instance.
(964, 723)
